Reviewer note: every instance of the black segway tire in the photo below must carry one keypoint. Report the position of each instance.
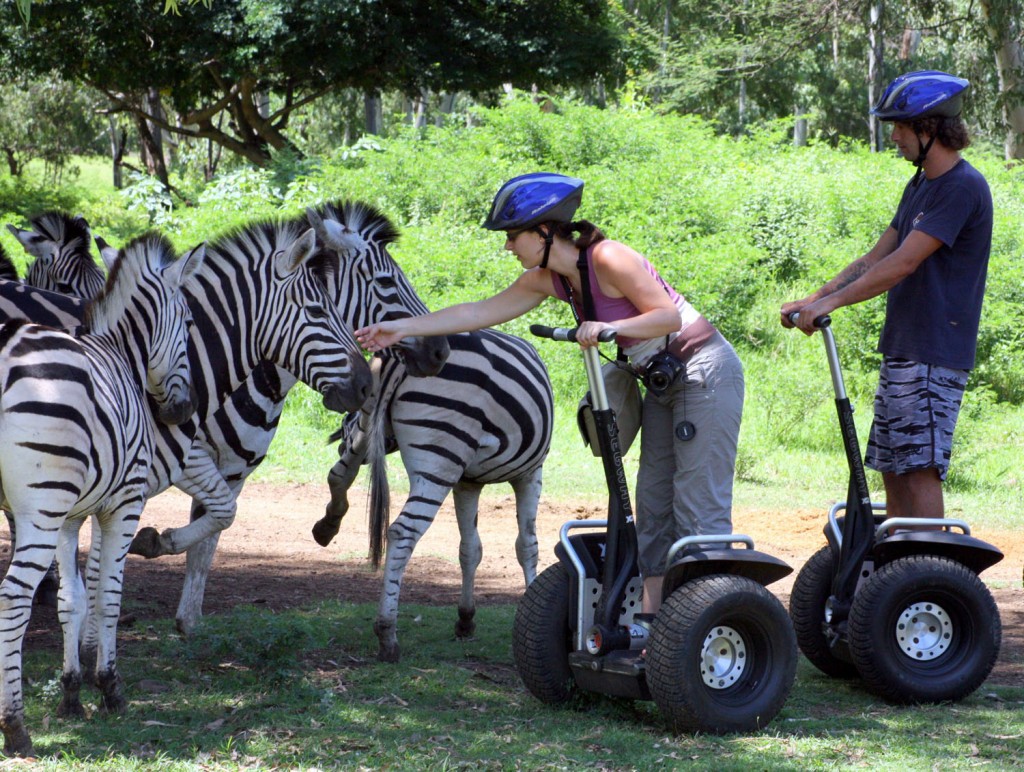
(924, 629)
(542, 639)
(721, 657)
(807, 601)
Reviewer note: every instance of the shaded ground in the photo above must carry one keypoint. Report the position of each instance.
(268, 557)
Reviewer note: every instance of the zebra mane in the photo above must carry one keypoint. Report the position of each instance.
(113, 299)
(266, 237)
(8, 270)
(56, 225)
(362, 218)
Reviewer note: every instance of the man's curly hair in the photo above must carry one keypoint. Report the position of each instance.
(951, 132)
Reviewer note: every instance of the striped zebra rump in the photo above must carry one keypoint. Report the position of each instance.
(20, 301)
(491, 422)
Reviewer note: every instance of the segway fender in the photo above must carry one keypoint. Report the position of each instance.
(974, 553)
(589, 547)
(759, 566)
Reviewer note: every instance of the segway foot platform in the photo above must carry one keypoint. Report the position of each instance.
(617, 673)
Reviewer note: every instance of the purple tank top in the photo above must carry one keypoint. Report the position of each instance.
(695, 329)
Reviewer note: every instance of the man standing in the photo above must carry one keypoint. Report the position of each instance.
(932, 260)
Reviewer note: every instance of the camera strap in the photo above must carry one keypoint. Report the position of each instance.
(588, 297)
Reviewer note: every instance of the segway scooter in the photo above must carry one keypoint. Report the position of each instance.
(901, 607)
(720, 656)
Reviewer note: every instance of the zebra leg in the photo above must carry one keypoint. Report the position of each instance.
(71, 610)
(28, 564)
(467, 507)
(46, 595)
(115, 533)
(340, 479)
(90, 633)
(527, 490)
(202, 481)
(425, 498)
(197, 570)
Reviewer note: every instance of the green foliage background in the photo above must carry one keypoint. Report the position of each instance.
(739, 225)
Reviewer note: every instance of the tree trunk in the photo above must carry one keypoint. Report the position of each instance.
(800, 127)
(875, 55)
(151, 153)
(1003, 23)
(12, 162)
(118, 143)
(372, 111)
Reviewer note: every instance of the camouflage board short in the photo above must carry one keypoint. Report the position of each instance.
(916, 408)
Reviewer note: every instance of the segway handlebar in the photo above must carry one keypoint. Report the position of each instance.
(566, 333)
(821, 322)
(824, 323)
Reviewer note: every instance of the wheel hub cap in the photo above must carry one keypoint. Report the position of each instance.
(723, 658)
(924, 631)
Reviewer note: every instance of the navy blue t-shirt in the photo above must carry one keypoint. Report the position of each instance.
(932, 315)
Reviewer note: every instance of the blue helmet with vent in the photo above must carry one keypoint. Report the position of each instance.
(922, 94)
(531, 199)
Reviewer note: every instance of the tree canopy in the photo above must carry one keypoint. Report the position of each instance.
(225, 57)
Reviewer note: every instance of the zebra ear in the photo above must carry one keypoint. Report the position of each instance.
(188, 264)
(297, 253)
(107, 252)
(23, 237)
(334, 234)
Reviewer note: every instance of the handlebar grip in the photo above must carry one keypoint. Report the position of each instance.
(566, 333)
(821, 322)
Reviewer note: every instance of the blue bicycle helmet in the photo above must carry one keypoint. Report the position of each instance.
(531, 199)
(921, 94)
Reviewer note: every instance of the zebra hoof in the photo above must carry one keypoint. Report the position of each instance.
(112, 687)
(466, 626)
(388, 650)
(70, 707)
(147, 543)
(71, 702)
(325, 529)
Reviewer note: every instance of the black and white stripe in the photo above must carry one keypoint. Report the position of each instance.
(485, 418)
(77, 439)
(62, 263)
(366, 285)
(61, 245)
(261, 297)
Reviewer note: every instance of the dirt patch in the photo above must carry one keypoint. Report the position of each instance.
(268, 557)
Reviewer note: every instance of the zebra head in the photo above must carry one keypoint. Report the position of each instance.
(60, 243)
(143, 305)
(367, 283)
(305, 332)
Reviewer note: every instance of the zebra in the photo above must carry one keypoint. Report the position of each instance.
(60, 279)
(259, 296)
(60, 246)
(487, 417)
(367, 285)
(77, 439)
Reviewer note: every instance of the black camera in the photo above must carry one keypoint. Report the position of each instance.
(662, 371)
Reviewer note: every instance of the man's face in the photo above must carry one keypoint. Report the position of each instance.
(907, 142)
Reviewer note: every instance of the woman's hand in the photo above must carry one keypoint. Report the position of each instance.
(379, 336)
(586, 333)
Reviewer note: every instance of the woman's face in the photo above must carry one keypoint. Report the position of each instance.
(527, 245)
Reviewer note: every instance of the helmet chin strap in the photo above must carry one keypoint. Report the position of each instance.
(922, 154)
(549, 238)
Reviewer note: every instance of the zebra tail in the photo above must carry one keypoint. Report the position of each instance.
(380, 489)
